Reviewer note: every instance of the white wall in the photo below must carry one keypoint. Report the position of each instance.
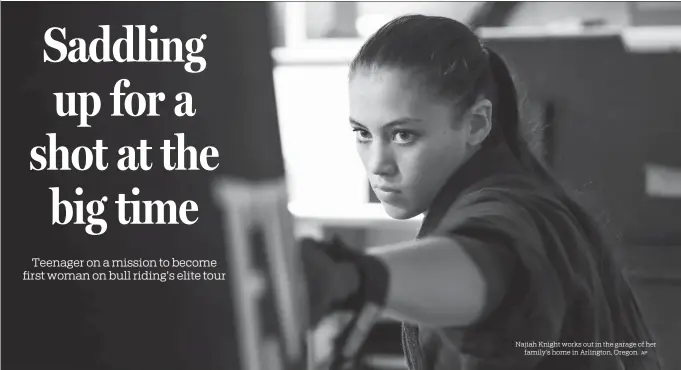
(318, 144)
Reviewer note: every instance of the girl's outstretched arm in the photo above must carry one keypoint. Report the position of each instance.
(436, 281)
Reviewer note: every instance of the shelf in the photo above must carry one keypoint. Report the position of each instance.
(641, 39)
(561, 31)
(366, 215)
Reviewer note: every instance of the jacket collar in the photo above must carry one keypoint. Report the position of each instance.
(485, 163)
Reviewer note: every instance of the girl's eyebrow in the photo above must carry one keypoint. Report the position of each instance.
(397, 122)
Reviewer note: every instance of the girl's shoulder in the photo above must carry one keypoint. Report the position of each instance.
(514, 191)
(518, 206)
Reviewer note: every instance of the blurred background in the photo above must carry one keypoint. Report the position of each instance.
(600, 84)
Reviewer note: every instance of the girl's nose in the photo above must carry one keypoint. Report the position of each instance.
(381, 160)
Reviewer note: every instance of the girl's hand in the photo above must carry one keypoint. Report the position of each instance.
(341, 278)
(329, 282)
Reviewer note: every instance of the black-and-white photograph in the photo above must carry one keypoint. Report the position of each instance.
(341, 185)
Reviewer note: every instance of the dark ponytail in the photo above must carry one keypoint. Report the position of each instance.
(505, 112)
(619, 295)
(506, 116)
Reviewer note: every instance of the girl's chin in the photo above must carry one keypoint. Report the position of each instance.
(398, 212)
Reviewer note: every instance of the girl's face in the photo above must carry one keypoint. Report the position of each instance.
(408, 140)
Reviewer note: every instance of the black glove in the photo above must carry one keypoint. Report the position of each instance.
(340, 278)
(329, 281)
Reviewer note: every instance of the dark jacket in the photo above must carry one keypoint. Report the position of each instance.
(549, 296)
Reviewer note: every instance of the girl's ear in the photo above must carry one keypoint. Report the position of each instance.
(480, 122)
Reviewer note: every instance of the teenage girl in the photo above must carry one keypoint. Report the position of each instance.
(505, 263)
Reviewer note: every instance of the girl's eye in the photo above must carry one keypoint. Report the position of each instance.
(363, 136)
(404, 137)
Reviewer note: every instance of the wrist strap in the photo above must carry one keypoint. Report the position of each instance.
(374, 277)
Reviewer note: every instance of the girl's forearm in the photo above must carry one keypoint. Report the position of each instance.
(433, 282)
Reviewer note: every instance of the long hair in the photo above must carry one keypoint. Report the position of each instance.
(453, 63)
